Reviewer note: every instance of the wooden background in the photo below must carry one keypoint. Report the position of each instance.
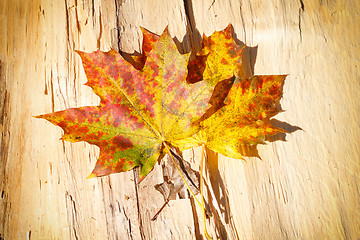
(304, 188)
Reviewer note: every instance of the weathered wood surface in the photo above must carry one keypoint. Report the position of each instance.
(304, 188)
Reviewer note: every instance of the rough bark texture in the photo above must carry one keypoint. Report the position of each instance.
(304, 188)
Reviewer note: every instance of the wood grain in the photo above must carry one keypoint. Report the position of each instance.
(306, 187)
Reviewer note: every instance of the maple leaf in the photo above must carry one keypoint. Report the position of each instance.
(243, 120)
(139, 111)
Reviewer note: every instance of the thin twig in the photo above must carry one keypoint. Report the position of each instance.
(158, 212)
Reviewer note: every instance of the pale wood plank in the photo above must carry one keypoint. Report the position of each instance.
(305, 188)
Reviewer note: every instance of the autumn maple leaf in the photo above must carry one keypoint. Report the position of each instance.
(243, 120)
(139, 111)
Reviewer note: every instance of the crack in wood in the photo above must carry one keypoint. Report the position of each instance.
(301, 10)
(52, 92)
(194, 35)
(196, 219)
(67, 23)
(118, 26)
(242, 21)
(4, 149)
(212, 4)
(28, 237)
(187, 6)
(100, 30)
(77, 18)
(136, 184)
(129, 232)
(72, 207)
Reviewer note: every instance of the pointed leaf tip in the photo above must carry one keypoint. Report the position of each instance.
(92, 175)
(166, 31)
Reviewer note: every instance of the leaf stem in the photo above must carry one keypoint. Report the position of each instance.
(202, 191)
(201, 204)
(181, 175)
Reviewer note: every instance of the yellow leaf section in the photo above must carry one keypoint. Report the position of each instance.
(177, 104)
(195, 140)
(255, 98)
(224, 58)
(229, 137)
(167, 67)
(241, 122)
